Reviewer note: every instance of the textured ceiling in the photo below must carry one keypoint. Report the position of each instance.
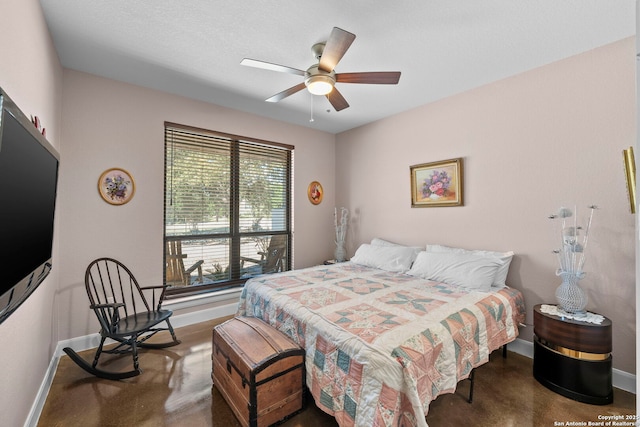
(442, 47)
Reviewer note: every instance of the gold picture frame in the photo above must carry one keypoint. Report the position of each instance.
(437, 184)
(116, 186)
(630, 176)
(315, 192)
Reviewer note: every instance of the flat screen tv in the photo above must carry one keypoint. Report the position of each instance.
(28, 182)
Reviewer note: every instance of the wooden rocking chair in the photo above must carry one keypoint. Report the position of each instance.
(124, 313)
(177, 275)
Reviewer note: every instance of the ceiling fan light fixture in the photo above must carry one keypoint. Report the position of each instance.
(319, 84)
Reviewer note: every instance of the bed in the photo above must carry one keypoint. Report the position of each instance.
(382, 340)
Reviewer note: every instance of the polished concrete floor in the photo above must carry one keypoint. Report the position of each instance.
(175, 389)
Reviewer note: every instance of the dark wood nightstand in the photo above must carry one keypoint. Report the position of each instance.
(573, 358)
(333, 261)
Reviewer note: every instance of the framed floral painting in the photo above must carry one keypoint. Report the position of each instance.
(437, 184)
(116, 186)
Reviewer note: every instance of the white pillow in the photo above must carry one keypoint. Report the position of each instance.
(501, 275)
(376, 241)
(390, 258)
(463, 269)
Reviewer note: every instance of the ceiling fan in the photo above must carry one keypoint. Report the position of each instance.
(320, 78)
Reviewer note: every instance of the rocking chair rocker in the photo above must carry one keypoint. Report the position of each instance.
(124, 314)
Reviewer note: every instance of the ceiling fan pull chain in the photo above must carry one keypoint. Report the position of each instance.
(311, 97)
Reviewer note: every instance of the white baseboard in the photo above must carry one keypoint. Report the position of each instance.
(522, 347)
(43, 391)
(204, 315)
(92, 341)
(621, 379)
(624, 380)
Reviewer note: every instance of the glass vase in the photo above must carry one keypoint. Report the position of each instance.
(341, 253)
(570, 296)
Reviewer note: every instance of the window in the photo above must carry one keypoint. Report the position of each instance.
(227, 209)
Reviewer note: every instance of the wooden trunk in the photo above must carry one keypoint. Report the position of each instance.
(258, 370)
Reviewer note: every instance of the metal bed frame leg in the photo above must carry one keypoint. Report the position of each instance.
(473, 371)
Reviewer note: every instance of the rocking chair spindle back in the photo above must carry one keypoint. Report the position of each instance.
(124, 313)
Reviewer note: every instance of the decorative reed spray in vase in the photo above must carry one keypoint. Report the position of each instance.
(571, 257)
(340, 220)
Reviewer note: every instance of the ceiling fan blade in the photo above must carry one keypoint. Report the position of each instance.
(337, 100)
(269, 66)
(279, 96)
(376, 77)
(335, 48)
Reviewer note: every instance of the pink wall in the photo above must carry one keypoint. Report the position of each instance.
(32, 76)
(549, 137)
(110, 124)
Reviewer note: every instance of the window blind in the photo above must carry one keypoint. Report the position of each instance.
(225, 199)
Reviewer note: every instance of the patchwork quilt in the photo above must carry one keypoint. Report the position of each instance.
(381, 346)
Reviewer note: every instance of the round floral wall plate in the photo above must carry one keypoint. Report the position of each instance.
(116, 186)
(315, 192)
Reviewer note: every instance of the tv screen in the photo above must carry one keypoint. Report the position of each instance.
(28, 181)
